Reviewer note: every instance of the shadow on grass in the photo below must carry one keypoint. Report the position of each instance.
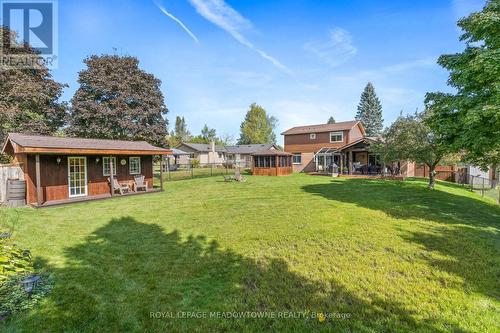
(126, 270)
(411, 200)
(466, 236)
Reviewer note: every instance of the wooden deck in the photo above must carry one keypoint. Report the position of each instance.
(91, 198)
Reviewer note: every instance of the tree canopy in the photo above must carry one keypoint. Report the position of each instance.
(370, 111)
(118, 100)
(410, 138)
(29, 98)
(331, 120)
(257, 127)
(469, 120)
(207, 136)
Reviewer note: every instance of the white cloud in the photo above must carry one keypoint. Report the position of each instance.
(228, 19)
(183, 26)
(336, 50)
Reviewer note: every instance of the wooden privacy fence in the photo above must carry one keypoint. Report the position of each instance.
(443, 172)
(8, 172)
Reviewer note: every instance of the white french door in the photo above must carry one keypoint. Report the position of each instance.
(77, 176)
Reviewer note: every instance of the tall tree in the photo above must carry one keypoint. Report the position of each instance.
(469, 120)
(331, 120)
(207, 135)
(258, 126)
(180, 133)
(370, 111)
(181, 129)
(410, 138)
(118, 100)
(29, 98)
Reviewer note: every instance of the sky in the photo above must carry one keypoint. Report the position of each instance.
(302, 60)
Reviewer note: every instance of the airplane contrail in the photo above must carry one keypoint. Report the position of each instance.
(183, 26)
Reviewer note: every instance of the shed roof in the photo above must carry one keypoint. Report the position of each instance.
(51, 144)
(340, 126)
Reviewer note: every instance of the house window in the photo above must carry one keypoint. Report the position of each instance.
(134, 165)
(336, 137)
(105, 166)
(312, 136)
(297, 158)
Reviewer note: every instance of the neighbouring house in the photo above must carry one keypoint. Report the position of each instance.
(60, 169)
(242, 154)
(179, 156)
(205, 153)
(216, 154)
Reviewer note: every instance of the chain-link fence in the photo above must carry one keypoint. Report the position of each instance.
(173, 172)
(485, 186)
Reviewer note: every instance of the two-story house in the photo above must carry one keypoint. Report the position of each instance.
(320, 148)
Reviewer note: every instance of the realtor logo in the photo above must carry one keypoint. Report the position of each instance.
(34, 23)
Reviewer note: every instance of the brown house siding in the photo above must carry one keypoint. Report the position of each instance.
(54, 177)
(302, 143)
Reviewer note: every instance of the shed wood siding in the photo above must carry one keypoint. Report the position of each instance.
(54, 177)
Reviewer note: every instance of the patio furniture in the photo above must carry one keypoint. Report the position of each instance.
(139, 183)
(122, 188)
(228, 179)
(238, 177)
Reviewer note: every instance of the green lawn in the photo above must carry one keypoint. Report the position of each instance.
(374, 256)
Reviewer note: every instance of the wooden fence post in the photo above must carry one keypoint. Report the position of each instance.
(111, 176)
(161, 172)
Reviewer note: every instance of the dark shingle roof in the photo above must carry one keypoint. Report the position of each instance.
(203, 147)
(235, 149)
(340, 126)
(249, 149)
(39, 141)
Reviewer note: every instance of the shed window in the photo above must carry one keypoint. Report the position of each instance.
(297, 158)
(134, 165)
(105, 166)
(336, 136)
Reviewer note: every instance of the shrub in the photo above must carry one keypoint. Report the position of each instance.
(15, 265)
(195, 163)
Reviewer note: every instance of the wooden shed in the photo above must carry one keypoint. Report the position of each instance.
(272, 163)
(59, 170)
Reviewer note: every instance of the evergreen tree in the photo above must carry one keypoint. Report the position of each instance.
(179, 134)
(258, 126)
(118, 100)
(331, 120)
(370, 111)
(181, 129)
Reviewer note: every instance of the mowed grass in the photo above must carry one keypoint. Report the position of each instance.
(372, 255)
